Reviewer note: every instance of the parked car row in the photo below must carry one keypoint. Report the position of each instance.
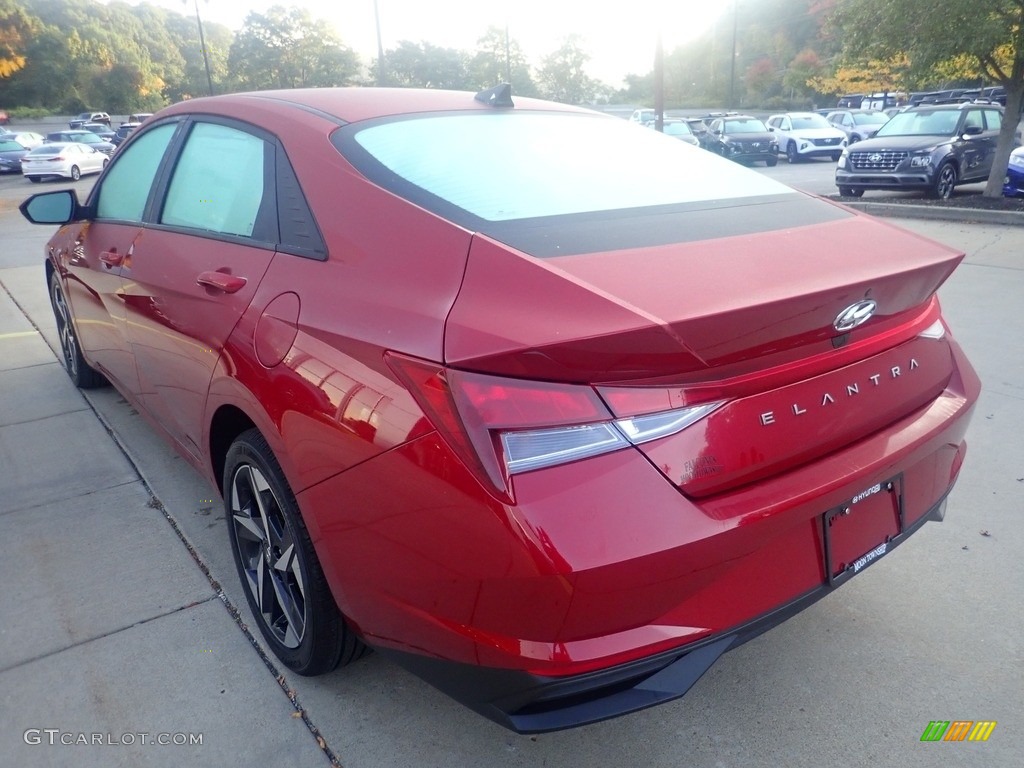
(60, 154)
(929, 147)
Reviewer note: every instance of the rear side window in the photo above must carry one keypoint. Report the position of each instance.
(994, 119)
(128, 181)
(219, 182)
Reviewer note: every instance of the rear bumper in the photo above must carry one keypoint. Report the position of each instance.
(529, 703)
(605, 589)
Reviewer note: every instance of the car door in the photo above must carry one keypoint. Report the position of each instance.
(196, 267)
(993, 125)
(93, 268)
(977, 147)
(91, 160)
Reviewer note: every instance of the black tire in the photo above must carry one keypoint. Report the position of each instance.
(105, 161)
(282, 578)
(851, 192)
(946, 178)
(76, 173)
(791, 154)
(853, 139)
(771, 162)
(836, 156)
(82, 375)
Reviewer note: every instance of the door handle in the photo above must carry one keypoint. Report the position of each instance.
(220, 281)
(111, 258)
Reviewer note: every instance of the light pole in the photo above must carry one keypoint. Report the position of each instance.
(381, 79)
(508, 57)
(732, 63)
(202, 45)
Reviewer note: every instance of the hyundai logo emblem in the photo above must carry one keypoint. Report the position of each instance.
(875, 158)
(854, 315)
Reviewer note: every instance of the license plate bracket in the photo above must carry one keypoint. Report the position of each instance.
(859, 532)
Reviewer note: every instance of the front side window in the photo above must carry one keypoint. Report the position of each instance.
(126, 186)
(218, 184)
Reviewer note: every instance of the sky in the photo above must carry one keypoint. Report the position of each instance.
(619, 41)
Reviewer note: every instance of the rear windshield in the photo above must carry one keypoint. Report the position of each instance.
(504, 166)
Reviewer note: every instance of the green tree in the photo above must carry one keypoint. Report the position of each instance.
(561, 76)
(423, 65)
(936, 32)
(183, 32)
(494, 63)
(288, 48)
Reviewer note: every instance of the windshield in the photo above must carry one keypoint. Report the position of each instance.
(86, 138)
(747, 125)
(501, 166)
(678, 129)
(925, 122)
(10, 146)
(869, 118)
(801, 122)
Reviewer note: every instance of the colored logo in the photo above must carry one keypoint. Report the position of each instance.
(958, 730)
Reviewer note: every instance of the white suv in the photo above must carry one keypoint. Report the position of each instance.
(806, 134)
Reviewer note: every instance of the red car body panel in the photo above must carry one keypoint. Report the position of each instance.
(525, 593)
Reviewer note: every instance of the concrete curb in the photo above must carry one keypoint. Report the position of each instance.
(939, 213)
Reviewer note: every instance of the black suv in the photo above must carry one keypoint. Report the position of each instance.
(929, 147)
(742, 138)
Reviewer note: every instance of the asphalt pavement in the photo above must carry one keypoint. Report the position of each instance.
(126, 639)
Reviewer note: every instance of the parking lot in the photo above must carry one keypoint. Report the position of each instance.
(125, 615)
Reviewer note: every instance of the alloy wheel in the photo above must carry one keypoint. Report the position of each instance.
(65, 330)
(945, 181)
(269, 555)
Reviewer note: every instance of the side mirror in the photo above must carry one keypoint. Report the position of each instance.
(58, 207)
(973, 130)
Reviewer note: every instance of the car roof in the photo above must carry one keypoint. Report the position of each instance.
(351, 104)
(951, 107)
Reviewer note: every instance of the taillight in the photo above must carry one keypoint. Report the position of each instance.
(501, 427)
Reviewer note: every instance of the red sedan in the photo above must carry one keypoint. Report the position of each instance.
(549, 409)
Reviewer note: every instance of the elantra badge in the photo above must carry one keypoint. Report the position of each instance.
(854, 315)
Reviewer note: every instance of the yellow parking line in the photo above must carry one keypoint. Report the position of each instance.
(18, 334)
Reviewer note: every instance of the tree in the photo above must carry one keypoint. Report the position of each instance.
(872, 76)
(936, 32)
(761, 79)
(288, 48)
(15, 30)
(422, 65)
(804, 67)
(499, 59)
(561, 76)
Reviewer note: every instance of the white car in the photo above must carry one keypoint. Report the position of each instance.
(27, 139)
(71, 160)
(806, 134)
(643, 116)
